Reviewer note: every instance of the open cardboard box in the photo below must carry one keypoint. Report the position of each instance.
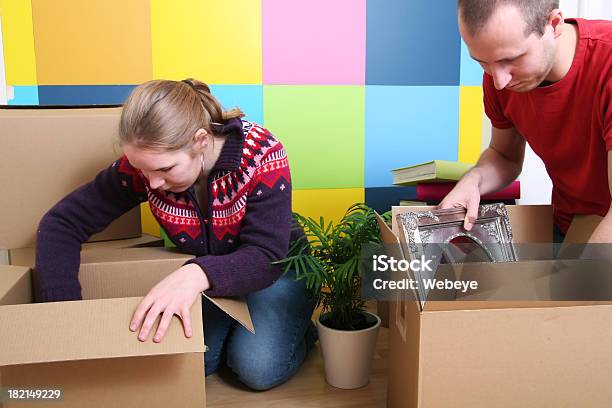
(27, 256)
(85, 347)
(48, 153)
(485, 350)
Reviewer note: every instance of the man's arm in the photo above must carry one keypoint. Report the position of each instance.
(501, 163)
(497, 167)
(603, 232)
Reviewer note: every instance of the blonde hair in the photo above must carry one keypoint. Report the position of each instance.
(165, 115)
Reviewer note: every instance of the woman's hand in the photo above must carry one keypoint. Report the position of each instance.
(174, 295)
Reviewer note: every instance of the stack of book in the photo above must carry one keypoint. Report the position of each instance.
(435, 179)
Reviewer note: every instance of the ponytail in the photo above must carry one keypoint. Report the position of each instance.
(211, 104)
(164, 115)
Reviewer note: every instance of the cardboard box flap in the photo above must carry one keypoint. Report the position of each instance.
(476, 305)
(528, 284)
(575, 245)
(27, 256)
(531, 223)
(392, 245)
(123, 273)
(40, 141)
(387, 234)
(15, 285)
(581, 228)
(90, 329)
(134, 271)
(59, 112)
(237, 308)
(132, 255)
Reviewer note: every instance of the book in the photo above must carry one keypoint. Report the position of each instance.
(437, 202)
(482, 202)
(412, 203)
(437, 191)
(436, 170)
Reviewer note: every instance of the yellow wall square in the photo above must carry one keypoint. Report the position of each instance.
(18, 42)
(470, 123)
(149, 223)
(218, 42)
(329, 203)
(92, 42)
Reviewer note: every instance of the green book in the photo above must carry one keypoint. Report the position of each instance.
(436, 170)
(411, 203)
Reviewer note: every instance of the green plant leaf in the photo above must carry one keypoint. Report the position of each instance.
(328, 259)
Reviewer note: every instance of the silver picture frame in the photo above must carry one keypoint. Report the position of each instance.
(430, 235)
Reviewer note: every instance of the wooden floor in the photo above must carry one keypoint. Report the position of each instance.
(307, 388)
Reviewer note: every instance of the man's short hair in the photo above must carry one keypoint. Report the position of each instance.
(475, 13)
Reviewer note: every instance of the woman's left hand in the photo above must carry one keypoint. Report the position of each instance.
(174, 295)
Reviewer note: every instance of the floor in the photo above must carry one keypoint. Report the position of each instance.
(307, 388)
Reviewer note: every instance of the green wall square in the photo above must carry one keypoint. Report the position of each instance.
(322, 128)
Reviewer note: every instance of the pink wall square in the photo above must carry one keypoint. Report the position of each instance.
(314, 42)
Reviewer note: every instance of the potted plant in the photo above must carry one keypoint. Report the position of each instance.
(328, 257)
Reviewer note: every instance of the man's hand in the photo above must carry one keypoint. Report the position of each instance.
(174, 295)
(466, 194)
(497, 166)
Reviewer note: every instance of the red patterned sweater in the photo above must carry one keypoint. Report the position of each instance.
(235, 236)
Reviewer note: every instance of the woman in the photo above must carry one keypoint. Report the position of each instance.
(221, 189)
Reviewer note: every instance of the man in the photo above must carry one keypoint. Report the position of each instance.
(547, 82)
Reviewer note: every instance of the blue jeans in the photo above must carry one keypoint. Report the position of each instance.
(283, 334)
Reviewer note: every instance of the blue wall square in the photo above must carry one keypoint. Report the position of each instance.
(249, 98)
(412, 42)
(471, 71)
(408, 125)
(383, 198)
(83, 94)
(24, 95)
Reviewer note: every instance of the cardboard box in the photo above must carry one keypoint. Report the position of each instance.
(578, 234)
(581, 229)
(48, 153)
(85, 347)
(488, 350)
(382, 310)
(27, 256)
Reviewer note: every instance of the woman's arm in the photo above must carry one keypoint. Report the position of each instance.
(82, 213)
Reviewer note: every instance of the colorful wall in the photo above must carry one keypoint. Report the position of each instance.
(353, 88)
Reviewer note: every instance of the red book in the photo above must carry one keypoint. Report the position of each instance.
(437, 192)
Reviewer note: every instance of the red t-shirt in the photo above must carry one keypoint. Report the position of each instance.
(568, 124)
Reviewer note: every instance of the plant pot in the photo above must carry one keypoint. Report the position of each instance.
(348, 354)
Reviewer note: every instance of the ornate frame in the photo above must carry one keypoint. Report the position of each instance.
(428, 234)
